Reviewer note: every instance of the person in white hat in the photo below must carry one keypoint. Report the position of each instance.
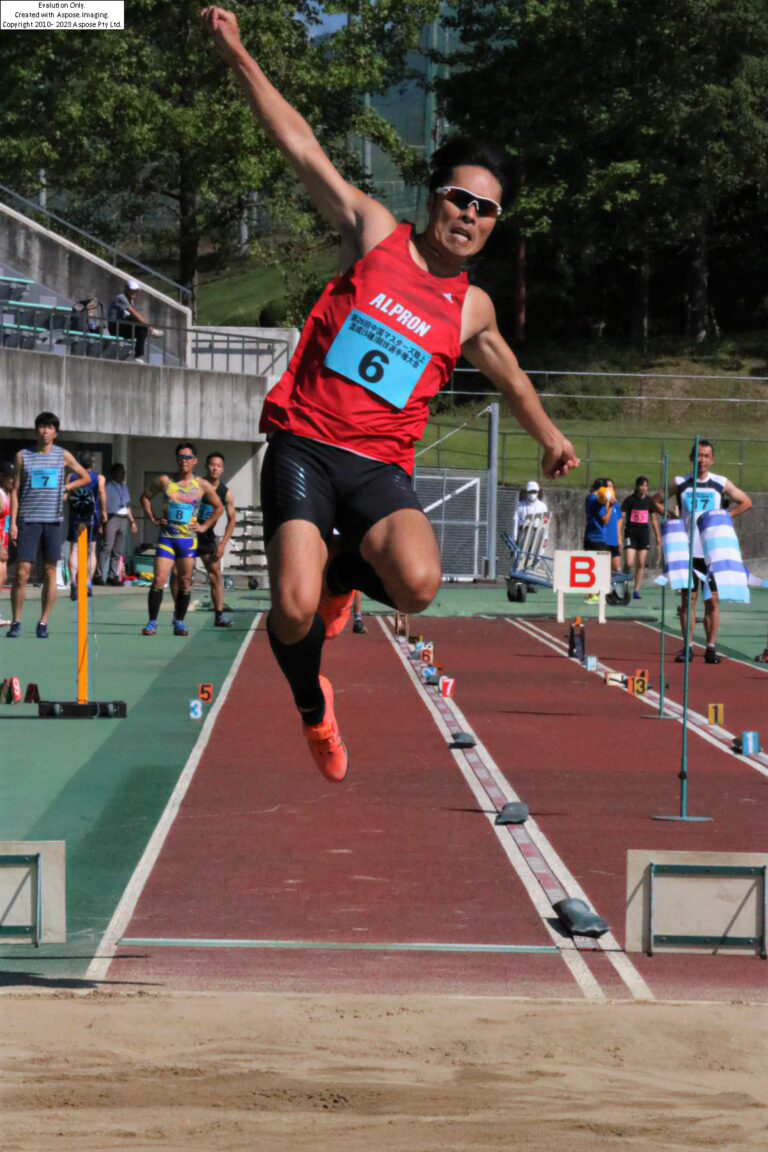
(530, 504)
(124, 319)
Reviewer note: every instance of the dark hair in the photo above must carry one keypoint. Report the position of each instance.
(185, 444)
(86, 459)
(641, 480)
(599, 483)
(213, 456)
(117, 469)
(6, 468)
(46, 420)
(702, 444)
(459, 150)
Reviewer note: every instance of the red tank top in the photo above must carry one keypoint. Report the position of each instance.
(381, 341)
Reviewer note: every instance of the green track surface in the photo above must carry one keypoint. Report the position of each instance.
(102, 785)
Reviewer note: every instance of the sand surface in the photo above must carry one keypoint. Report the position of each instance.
(104, 1071)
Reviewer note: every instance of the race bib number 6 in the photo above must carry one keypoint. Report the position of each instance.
(369, 353)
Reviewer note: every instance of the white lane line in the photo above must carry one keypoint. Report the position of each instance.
(608, 942)
(734, 659)
(576, 964)
(715, 735)
(105, 953)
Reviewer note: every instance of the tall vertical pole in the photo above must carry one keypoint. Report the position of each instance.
(665, 489)
(82, 614)
(493, 487)
(686, 642)
(683, 773)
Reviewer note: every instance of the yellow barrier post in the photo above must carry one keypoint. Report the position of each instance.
(82, 614)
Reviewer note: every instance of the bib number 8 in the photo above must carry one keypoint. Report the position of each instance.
(371, 367)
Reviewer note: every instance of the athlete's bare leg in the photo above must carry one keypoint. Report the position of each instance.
(712, 619)
(212, 565)
(48, 594)
(163, 568)
(19, 589)
(296, 557)
(684, 609)
(642, 557)
(403, 552)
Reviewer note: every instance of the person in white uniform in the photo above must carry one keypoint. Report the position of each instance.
(530, 506)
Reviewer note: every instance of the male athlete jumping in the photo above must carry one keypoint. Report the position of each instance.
(381, 341)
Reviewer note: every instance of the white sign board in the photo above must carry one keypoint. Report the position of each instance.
(586, 572)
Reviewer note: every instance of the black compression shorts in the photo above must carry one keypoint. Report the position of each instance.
(207, 543)
(305, 480)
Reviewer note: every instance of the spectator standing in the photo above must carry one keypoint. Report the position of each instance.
(614, 540)
(640, 516)
(711, 493)
(531, 504)
(597, 512)
(6, 487)
(124, 319)
(119, 517)
(95, 525)
(37, 515)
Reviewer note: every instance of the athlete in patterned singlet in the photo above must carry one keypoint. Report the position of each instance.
(179, 531)
(381, 342)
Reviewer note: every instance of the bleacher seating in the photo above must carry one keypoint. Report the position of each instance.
(13, 287)
(34, 318)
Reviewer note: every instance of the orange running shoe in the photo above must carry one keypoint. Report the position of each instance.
(324, 739)
(334, 611)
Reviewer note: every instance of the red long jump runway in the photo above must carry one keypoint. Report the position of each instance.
(263, 849)
(594, 767)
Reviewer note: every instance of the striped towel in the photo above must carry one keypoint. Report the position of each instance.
(675, 555)
(723, 556)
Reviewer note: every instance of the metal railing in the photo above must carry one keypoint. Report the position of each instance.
(623, 455)
(115, 254)
(59, 330)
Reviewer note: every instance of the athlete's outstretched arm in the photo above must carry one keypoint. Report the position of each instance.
(485, 347)
(359, 219)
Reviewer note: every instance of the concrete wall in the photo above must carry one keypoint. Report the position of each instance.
(130, 399)
(74, 273)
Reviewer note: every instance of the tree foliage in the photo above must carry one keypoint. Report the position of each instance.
(146, 131)
(629, 124)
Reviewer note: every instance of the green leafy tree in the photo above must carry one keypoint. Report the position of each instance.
(146, 132)
(629, 124)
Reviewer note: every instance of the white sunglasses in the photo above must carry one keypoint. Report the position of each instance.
(463, 198)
